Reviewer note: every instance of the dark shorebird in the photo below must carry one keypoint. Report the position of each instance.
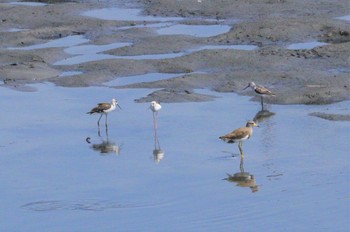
(260, 91)
(240, 135)
(103, 109)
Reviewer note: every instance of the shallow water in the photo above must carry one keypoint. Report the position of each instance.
(89, 53)
(54, 180)
(345, 17)
(64, 42)
(194, 30)
(28, 3)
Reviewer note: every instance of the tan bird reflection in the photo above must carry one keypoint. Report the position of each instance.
(243, 179)
(240, 135)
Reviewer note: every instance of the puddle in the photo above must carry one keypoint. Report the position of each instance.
(57, 43)
(28, 3)
(163, 28)
(90, 56)
(16, 30)
(88, 53)
(164, 180)
(346, 18)
(92, 49)
(339, 70)
(194, 30)
(70, 73)
(125, 15)
(149, 77)
(306, 45)
(146, 25)
(229, 47)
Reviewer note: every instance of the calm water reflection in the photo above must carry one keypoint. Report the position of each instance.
(106, 146)
(243, 179)
(50, 172)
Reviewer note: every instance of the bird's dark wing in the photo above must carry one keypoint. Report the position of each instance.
(100, 108)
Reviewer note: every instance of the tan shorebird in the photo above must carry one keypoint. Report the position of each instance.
(240, 135)
(103, 109)
(261, 91)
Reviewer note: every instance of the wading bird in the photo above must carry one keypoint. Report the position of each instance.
(155, 107)
(103, 109)
(260, 91)
(240, 135)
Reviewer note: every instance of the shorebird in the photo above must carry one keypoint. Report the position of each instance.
(103, 109)
(260, 91)
(240, 135)
(155, 107)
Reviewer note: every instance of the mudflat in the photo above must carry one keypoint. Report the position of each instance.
(298, 75)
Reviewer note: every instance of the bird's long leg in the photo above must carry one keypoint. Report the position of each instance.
(106, 120)
(98, 122)
(262, 103)
(241, 150)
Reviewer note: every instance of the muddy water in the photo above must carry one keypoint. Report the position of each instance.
(59, 174)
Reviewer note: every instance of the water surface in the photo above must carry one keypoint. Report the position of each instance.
(68, 41)
(59, 174)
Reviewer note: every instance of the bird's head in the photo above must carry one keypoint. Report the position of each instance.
(251, 84)
(115, 102)
(251, 123)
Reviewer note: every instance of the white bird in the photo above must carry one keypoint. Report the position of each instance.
(103, 109)
(155, 107)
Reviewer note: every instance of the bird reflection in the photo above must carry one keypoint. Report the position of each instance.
(243, 179)
(106, 146)
(263, 115)
(158, 153)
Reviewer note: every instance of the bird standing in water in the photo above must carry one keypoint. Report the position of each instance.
(103, 109)
(240, 135)
(155, 107)
(260, 91)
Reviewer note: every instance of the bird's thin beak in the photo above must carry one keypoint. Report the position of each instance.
(246, 87)
(119, 106)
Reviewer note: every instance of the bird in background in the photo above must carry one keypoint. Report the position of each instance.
(240, 135)
(261, 91)
(155, 107)
(103, 109)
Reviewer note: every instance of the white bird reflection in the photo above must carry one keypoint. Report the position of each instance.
(158, 153)
(243, 179)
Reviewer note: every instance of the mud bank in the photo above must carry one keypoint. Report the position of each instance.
(298, 75)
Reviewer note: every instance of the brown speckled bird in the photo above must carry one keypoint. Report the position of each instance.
(240, 135)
